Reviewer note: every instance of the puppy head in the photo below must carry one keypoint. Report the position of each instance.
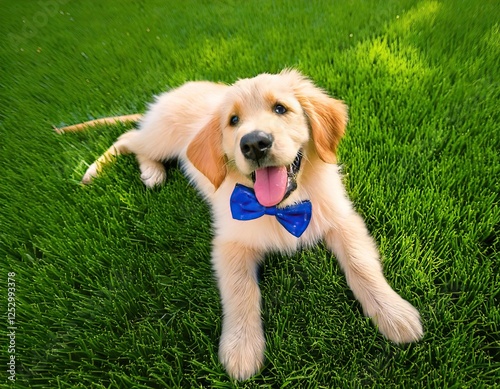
(264, 128)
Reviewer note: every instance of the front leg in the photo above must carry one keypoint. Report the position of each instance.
(242, 341)
(358, 256)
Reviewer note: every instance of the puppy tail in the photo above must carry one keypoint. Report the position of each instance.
(93, 123)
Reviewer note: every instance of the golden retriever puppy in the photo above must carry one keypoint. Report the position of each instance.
(262, 152)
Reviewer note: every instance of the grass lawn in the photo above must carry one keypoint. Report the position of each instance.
(113, 284)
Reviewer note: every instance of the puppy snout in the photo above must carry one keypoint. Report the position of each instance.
(256, 144)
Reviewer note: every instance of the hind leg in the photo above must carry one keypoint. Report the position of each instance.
(121, 146)
(152, 172)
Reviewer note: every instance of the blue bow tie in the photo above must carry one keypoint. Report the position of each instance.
(295, 218)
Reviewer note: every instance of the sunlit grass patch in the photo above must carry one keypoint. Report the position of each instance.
(114, 282)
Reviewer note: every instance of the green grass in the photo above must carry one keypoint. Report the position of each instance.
(113, 282)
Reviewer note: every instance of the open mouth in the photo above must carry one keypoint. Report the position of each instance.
(273, 184)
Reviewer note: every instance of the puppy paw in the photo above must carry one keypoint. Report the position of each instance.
(399, 321)
(242, 352)
(152, 174)
(90, 174)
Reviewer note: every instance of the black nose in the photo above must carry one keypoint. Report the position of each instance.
(255, 145)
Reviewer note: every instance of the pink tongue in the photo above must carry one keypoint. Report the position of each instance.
(270, 185)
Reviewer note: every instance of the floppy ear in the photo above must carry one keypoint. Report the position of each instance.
(327, 116)
(205, 152)
(328, 119)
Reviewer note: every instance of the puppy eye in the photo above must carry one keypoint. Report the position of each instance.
(234, 120)
(279, 109)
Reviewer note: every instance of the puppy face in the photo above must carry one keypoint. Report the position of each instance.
(264, 128)
(263, 124)
(264, 132)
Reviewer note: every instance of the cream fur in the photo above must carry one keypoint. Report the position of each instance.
(314, 123)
